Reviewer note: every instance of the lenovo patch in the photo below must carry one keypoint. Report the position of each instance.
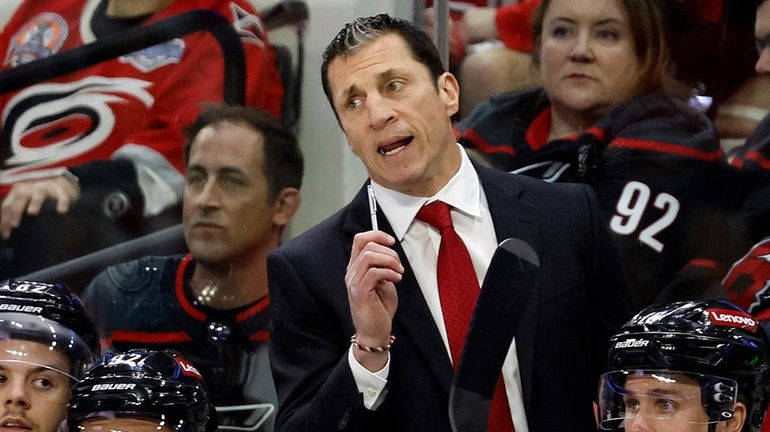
(730, 318)
(188, 369)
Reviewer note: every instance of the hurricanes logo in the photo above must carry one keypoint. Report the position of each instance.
(52, 122)
(748, 280)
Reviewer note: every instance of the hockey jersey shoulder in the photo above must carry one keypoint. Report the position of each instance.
(755, 153)
(654, 123)
(38, 30)
(498, 127)
(241, 13)
(137, 275)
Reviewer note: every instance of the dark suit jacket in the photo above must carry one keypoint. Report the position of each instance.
(577, 302)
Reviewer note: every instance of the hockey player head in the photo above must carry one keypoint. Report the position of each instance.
(686, 366)
(46, 341)
(142, 391)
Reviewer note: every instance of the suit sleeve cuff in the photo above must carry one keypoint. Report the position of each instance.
(370, 384)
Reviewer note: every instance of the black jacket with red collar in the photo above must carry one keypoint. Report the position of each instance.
(655, 164)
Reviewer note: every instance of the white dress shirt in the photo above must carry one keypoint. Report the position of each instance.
(473, 223)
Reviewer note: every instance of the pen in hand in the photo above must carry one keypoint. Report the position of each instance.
(372, 207)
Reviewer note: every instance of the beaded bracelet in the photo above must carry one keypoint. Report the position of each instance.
(378, 349)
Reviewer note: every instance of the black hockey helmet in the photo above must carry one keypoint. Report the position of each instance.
(145, 384)
(712, 344)
(50, 314)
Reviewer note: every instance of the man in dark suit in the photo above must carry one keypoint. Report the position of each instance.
(345, 277)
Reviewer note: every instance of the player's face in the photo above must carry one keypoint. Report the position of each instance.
(656, 405)
(394, 118)
(762, 35)
(33, 391)
(587, 56)
(227, 211)
(123, 425)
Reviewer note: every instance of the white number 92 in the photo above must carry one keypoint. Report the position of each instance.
(631, 207)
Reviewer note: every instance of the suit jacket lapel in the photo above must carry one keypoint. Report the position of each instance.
(513, 218)
(413, 322)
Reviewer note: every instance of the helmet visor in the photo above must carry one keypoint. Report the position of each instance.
(668, 399)
(33, 339)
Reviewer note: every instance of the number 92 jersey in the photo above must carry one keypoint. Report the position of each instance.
(654, 163)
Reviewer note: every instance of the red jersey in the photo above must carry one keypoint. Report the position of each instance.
(143, 98)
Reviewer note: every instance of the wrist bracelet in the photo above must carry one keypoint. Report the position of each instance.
(377, 349)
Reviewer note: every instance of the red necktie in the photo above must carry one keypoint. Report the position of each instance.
(458, 289)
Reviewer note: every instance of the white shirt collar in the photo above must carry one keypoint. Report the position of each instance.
(461, 192)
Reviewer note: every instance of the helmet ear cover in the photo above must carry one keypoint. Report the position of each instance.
(711, 338)
(144, 384)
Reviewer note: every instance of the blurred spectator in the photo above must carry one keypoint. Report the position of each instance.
(703, 33)
(244, 172)
(139, 391)
(611, 115)
(747, 282)
(754, 155)
(489, 48)
(94, 158)
(47, 341)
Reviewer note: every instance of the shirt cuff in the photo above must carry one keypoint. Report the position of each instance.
(370, 384)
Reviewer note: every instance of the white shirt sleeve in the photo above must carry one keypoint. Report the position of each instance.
(370, 384)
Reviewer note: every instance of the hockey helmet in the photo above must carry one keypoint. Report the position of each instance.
(158, 386)
(48, 314)
(710, 353)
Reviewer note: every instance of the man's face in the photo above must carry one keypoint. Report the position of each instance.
(227, 213)
(394, 118)
(668, 404)
(34, 394)
(762, 35)
(123, 424)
